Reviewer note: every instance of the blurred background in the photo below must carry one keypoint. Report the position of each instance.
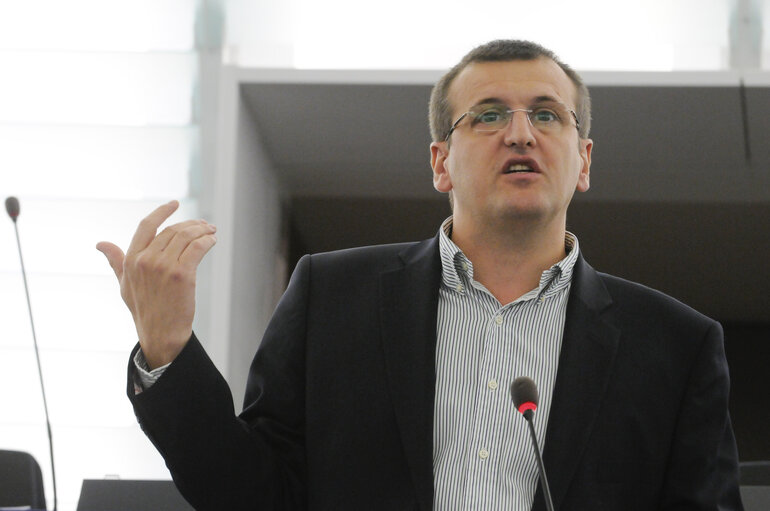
(301, 126)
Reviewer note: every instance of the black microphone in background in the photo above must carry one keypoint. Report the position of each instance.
(13, 209)
(525, 398)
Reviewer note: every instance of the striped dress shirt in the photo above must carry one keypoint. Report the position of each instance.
(482, 454)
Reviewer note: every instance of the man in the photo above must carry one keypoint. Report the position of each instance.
(381, 381)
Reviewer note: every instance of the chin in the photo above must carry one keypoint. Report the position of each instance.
(525, 208)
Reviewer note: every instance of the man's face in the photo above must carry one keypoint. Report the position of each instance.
(485, 170)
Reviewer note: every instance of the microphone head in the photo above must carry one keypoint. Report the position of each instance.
(12, 207)
(524, 394)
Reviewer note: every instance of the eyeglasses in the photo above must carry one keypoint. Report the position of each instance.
(546, 118)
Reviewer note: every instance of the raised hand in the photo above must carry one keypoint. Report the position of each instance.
(157, 280)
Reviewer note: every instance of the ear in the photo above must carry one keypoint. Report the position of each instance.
(584, 182)
(439, 152)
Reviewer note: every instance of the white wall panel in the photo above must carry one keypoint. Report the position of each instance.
(96, 162)
(98, 25)
(124, 89)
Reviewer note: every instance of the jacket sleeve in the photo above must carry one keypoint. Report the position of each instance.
(217, 459)
(702, 471)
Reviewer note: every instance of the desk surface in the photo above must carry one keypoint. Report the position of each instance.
(130, 495)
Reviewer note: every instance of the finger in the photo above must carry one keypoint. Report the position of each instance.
(182, 239)
(195, 251)
(145, 233)
(114, 256)
(172, 232)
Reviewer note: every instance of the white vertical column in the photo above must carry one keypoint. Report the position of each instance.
(745, 34)
(240, 190)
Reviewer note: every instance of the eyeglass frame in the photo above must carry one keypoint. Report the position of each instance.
(509, 111)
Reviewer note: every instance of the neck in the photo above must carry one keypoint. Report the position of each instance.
(509, 260)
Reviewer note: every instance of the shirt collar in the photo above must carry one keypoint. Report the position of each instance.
(455, 266)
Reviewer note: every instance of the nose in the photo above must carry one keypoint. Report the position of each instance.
(519, 132)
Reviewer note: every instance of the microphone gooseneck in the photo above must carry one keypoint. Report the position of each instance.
(525, 398)
(13, 209)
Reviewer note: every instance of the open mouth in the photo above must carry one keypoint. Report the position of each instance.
(518, 168)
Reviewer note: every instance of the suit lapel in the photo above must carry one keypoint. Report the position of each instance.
(408, 314)
(585, 364)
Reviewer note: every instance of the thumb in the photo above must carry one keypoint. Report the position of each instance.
(114, 256)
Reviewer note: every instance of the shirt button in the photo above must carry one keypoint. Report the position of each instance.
(459, 288)
(492, 384)
(483, 454)
(499, 319)
(464, 266)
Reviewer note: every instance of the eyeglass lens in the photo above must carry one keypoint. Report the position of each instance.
(494, 117)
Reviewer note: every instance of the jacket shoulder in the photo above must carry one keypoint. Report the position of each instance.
(641, 301)
(373, 258)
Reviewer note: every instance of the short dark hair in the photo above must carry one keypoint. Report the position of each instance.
(501, 50)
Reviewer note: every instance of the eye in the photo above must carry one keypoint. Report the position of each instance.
(545, 116)
(491, 116)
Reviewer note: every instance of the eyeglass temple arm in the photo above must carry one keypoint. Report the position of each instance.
(449, 133)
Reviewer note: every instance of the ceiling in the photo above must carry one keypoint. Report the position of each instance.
(680, 196)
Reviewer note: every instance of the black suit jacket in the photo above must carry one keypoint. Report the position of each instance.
(338, 411)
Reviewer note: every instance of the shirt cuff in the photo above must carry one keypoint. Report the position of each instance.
(144, 377)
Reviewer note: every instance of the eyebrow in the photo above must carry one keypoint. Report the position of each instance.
(537, 100)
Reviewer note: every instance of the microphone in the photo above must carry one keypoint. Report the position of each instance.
(13, 209)
(525, 398)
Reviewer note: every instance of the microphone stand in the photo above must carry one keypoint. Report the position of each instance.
(543, 479)
(14, 215)
(525, 397)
